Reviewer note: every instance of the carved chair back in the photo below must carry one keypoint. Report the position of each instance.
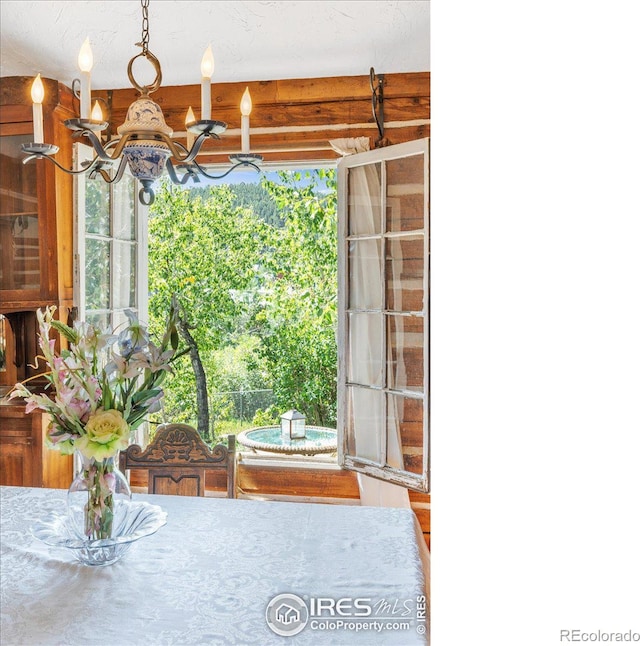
(177, 461)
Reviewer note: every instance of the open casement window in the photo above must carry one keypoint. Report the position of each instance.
(383, 313)
(110, 248)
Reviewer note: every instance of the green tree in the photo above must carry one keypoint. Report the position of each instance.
(300, 313)
(207, 253)
(259, 291)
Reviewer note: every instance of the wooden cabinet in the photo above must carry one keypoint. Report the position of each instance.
(36, 201)
(24, 460)
(36, 268)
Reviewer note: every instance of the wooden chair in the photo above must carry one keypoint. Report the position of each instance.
(177, 460)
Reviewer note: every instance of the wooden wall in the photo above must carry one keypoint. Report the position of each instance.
(293, 120)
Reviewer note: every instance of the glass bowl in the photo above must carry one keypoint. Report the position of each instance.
(133, 520)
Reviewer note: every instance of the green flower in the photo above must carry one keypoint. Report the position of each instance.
(107, 432)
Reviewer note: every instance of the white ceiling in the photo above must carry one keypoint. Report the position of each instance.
(251, 41)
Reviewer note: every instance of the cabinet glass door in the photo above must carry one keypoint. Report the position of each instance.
(19, 231)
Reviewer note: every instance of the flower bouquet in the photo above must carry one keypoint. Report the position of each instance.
(99, 391)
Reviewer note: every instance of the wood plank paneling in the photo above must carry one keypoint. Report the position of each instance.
(309, 114)
(301, 114)
(297, 481)
(288, 91)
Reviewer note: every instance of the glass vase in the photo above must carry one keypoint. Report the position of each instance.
(94, 497)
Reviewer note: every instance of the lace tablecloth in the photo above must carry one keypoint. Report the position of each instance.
(209, 575)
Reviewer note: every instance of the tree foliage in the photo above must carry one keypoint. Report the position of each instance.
(252, 196)
(259, 288)
(205, 252)
(299, 317)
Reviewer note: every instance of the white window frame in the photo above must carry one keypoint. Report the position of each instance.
(83, 153)
(379, 468)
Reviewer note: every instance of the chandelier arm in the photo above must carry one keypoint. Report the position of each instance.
(176, 179)
(105, 175)
(110, 144)
(240, 163)
(120, 172)
(177, 148)
(94, 162)
(190, 155)
(101, 151)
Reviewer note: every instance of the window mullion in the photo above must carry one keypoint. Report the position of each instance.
(383, 301)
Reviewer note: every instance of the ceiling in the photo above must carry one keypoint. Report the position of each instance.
(251, 41)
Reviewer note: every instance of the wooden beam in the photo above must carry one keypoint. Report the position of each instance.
(287, 141)
(295, 117)
(283, 92)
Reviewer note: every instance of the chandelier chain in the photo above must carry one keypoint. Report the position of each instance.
(144, 43)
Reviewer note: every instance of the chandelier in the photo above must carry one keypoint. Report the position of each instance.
(145, 142)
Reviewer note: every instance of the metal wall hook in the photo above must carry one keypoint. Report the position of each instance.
(377, 104)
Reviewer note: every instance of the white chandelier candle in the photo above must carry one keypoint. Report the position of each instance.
(190, 118)
(37, 96)
(245, 110)
(96, 112)
(85, 63)
(206, 69)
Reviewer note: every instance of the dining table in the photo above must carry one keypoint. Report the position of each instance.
(220, 571)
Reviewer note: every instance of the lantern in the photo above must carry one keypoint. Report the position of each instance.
(292, 425)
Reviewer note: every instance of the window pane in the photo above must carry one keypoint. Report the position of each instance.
(365, 363)
(404, 274)
(365, 418)
(124, 269)
(97, 270)
(405, 194)
(405, 433)
(97, 207)
(120, 320)
(365, 275)
(124, 209)
(101, 320)
(364, 200)
(405, 349)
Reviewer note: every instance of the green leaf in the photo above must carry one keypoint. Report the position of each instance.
(107, 395)
(70, 334)
(144, 395)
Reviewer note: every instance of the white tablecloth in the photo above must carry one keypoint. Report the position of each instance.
(208, 575)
